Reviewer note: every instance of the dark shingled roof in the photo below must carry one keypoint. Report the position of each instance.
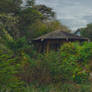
(60, 35)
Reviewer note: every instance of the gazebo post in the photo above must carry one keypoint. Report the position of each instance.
(39, 48)
(48, 47)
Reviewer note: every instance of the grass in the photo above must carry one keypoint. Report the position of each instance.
(60, 88)
(66, 87)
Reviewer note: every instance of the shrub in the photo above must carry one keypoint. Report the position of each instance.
(75, 61)
(41, 70)
(68, 64)
(8, 70)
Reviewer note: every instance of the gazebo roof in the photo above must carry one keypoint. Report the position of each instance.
(60, 35)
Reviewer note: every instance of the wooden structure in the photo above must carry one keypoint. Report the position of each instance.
(53, 40)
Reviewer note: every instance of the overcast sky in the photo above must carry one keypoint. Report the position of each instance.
(73, 13)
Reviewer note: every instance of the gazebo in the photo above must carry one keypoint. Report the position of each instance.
(53, 40)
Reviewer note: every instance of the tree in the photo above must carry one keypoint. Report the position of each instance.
(8, 25)
(86, 32)
(8, 69)
(10, 6)
(56, 25)
(48, 13)
(30, 3)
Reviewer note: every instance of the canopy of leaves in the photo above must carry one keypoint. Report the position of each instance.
(47, 12)
(8, 25)
(10, 6)
(86, 32)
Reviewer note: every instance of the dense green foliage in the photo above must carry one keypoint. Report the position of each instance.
(10, 6)
(70, 64)
(21, 65)
(86, 32)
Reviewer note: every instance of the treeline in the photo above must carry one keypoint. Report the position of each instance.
(20, 64)
(86, 31)
(30, 21)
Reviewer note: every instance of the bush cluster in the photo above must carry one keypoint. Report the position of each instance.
(70, 63)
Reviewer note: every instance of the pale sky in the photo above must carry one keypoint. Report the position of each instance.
(72, 13)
